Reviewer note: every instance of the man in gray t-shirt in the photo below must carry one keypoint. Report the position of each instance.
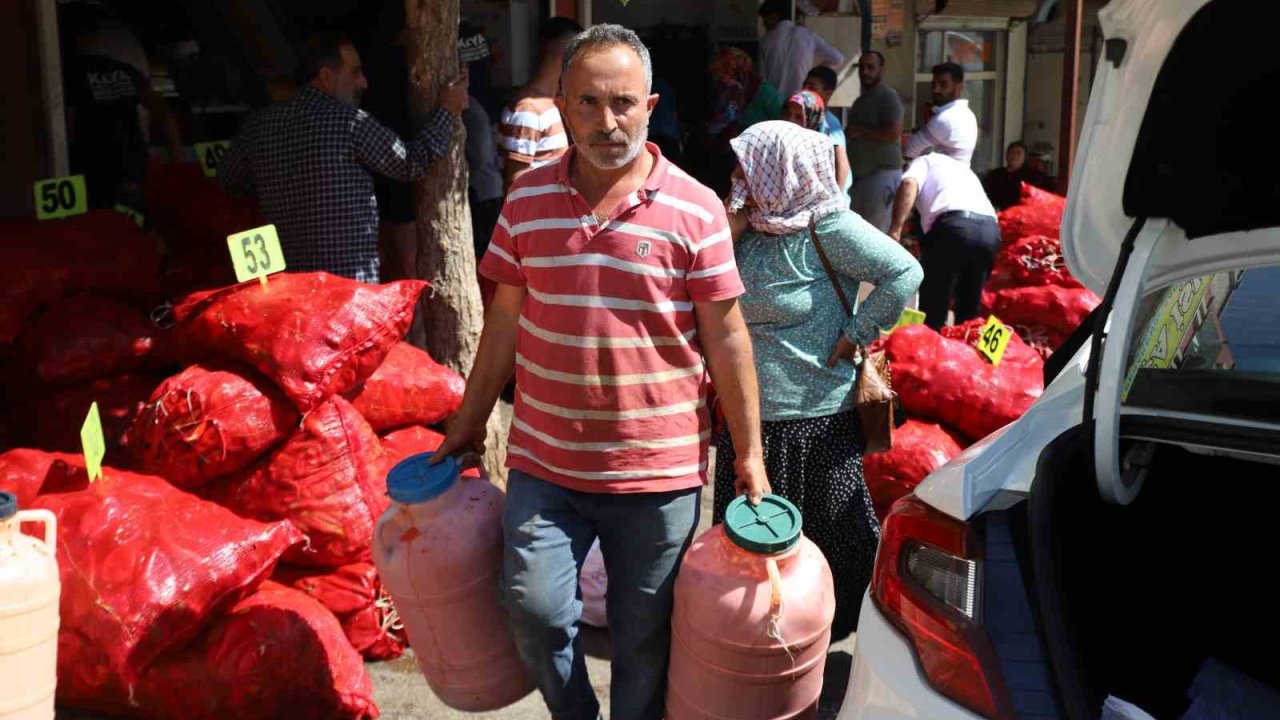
(875, 147)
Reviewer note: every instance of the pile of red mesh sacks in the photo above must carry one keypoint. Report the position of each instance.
(952, 394)
(220, 567)
(1030, 287)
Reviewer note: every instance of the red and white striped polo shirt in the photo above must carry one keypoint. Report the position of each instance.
(612, 388)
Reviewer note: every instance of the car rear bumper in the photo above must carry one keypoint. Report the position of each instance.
(885, 682)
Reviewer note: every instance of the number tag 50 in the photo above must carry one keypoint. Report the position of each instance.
(60, 197)
(256, 253)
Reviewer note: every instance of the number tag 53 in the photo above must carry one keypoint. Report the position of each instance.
(993, 340)
(256, 253)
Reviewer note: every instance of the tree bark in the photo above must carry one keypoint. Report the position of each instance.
(452, 312)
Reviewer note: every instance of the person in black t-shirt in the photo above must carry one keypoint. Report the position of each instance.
(104, 130)
(1004, 185)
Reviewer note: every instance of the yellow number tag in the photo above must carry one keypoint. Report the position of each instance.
(138, 217)
(211, 155)
(909, 317)
(92, 443)
(256, 253)
(61, 197)
(993, 340)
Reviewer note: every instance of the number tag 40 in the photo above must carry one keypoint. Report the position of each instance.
(61, 197)
(256, 253)
(993, 340)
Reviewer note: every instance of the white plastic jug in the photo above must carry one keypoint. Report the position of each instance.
(29, 594)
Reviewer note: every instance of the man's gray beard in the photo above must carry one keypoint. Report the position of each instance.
(634, 148)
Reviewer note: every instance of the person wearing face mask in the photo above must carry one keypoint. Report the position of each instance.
(311, 160)
(617, 294)
(805, 345)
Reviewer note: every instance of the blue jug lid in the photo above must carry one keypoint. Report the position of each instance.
(769, 528)
(8, 505)
(416, 480)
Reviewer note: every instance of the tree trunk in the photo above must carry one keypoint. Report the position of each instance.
(453, 314)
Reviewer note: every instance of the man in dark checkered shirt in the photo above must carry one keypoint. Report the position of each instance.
(309, 161)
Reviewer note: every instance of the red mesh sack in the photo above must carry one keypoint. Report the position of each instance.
(29, 277)
(329, 478)
(87, 336)
(316, 335)
(209, 421)
(1058, 310)
(409, 388)
(919, 448)
(145, 566)
(1033, 260)
(949, 381)
(413, 440)
(120, 399)
(107, 251)
(354, 594)
(1039, 213)
(276, 654)
(28, 473)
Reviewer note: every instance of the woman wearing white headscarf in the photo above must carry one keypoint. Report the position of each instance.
(804, 344)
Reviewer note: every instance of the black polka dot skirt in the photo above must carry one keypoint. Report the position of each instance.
(816, 463)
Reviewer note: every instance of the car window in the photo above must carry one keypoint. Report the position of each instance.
(1209, 345)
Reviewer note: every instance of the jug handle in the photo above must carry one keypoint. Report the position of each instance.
(45, 517)
(775, 588)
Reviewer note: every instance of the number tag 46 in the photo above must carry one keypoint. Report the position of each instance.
(994, 339)
(256, 253)
(61, 197)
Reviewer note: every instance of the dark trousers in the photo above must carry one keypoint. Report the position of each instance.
(956, 254)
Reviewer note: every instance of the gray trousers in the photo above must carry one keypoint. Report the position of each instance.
(873, 197)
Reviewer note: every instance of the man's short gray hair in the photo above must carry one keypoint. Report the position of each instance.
(602, 36)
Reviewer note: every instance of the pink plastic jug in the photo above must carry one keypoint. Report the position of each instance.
(752, 621)
(438, 549)
(29, 592)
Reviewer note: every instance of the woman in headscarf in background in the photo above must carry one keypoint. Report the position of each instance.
(804, 344)
(807, 110)
(741, 98)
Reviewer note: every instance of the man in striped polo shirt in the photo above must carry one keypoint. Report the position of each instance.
(618, 294)
(531, 132)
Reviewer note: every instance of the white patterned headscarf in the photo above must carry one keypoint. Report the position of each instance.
(791, 177)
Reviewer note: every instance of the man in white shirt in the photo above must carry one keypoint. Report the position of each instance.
(953, 129)
(961, 235)
(788, 51)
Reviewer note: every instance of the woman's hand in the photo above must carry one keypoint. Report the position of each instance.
(845, 350)
(738, 223)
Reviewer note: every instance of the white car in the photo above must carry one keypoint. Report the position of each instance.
(1121, 532)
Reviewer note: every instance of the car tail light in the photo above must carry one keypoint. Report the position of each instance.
(926, 582)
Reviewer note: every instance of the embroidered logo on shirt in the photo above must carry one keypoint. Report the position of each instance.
(642, 250)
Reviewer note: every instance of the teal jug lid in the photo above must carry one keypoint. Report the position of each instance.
(769, 528)
(416, 480)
